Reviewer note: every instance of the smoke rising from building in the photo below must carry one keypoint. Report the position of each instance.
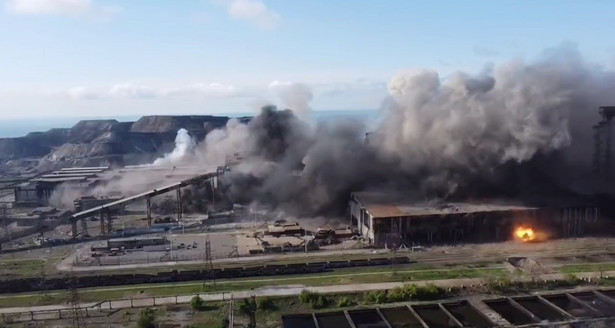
(520, 130)
(516, 129)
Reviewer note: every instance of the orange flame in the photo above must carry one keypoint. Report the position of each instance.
(525, 233)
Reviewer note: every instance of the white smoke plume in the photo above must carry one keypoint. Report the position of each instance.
(296, 96)
(184, 146)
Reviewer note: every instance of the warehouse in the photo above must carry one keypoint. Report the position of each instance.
(37, 191)
(388, 220)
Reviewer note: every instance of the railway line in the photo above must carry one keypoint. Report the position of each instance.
(320, 264)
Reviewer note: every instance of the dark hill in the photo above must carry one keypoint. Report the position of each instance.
(107, 142)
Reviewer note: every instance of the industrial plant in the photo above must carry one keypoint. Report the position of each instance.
(263, 209)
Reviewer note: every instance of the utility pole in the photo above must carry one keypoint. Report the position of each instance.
(231, 312)
(209, 266)
(78, 320)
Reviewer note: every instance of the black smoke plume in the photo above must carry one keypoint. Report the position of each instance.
(518, 130)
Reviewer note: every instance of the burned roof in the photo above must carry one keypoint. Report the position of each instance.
(385, 205)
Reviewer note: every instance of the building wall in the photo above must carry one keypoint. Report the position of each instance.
(361, 219)
(476, 227)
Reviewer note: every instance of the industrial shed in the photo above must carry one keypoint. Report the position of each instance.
(390, 220)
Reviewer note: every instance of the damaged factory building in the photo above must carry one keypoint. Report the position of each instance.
(390, 221)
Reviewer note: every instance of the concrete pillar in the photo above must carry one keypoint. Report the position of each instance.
(584, 304)
(102, 221)
(384, 319)
(179, 204)
(349, 319)
(148, 210)
(109, 224)
(417, 316)
(522, 309)
(315, 321)
(554, 307)
(450, 315)
(73, 226)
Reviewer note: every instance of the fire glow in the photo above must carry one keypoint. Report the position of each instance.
(525, 234)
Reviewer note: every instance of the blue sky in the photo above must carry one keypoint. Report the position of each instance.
(109, 57)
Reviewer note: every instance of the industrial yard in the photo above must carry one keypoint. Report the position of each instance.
(148, 250)
(253, 240)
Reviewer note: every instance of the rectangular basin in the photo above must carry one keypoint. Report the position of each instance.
(433, 316)
(367, 319)
(401, 317)
(509, 312)
(540, 309)
(332, 320)
(573, 308)
(468, 315)
(298, 321)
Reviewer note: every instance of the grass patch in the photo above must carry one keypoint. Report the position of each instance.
(590, 267)
(332, 278)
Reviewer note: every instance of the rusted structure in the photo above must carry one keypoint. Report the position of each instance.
(391, 221)
(103, 211)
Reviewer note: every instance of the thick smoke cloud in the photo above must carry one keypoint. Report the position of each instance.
(516, 129)
(294, 95)
(471, 128)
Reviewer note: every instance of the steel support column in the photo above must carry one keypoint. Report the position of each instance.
(101, 213)
(73, 226)
(109, 224)
(148, 210)
(179, 205)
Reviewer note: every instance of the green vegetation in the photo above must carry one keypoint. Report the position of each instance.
(377, 297)
(249, 307)
(345, 302)
(197, 303)
(28, 267)
(406, 293)
(335, 278)
(265, 304)
(316, 300)
(499, 283)
(589, 267)
(571, 279)
(147, 318)
(498, 279)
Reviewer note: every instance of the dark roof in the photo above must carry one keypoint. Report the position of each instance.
(384, 205)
